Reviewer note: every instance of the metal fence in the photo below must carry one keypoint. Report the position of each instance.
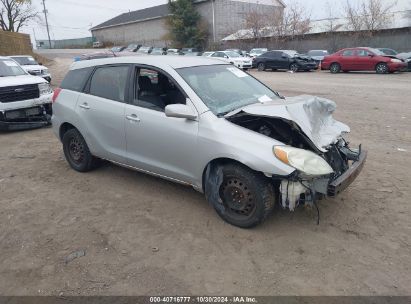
(398, 39)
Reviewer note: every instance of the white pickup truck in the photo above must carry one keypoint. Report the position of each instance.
(25, 100)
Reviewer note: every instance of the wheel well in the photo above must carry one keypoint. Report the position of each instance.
(64, 128)
(220, 161)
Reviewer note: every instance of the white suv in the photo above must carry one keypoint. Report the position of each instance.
(25, 100)
(31, 66)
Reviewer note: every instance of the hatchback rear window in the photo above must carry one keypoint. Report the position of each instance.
(76, 80)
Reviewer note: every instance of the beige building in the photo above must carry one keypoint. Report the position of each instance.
(148, 26)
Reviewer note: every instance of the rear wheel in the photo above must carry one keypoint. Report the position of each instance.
(335, 68)
(381, 68)
(294, 67)
(77, 152)
(247, 197)
(261, 67)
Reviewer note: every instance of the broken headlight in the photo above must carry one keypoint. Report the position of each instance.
(303, 160)
(45, 89)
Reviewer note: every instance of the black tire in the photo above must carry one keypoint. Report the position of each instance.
(255, 194)
(381, 68)
(261, 67)
(77, 152)
(274, 70)
(335, 68)
(294, 67)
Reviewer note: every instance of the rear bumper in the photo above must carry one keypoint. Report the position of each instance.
(342, 182)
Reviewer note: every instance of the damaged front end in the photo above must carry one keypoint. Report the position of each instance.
(26, 118)
(313, 145)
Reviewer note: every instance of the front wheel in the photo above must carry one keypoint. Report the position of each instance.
(381, 68)
(294, 67)
(77, 152)
(247, 198)
(261, 67)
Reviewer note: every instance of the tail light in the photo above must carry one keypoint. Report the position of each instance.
(56, 94)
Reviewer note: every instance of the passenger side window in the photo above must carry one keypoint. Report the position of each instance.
(347, 53)
(75, 80)
(218, 54)
(155, 90)
(110, 83)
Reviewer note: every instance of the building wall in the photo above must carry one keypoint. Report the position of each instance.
(14, 44)
(151, 32)
(229, 18)
(398, 39)
(230, 14)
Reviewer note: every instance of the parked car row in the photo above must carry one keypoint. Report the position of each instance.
(381, 60)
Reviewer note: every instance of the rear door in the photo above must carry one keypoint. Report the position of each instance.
(101, 111)
(347, 60)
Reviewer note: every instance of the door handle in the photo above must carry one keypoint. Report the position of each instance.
(133, 117)
(85, 106)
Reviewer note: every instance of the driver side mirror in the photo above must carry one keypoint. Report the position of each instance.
(180, 111)
(226, 57)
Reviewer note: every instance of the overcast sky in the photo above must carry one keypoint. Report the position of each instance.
(74, 18)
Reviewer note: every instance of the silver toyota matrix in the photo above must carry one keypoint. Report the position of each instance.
(205, 123)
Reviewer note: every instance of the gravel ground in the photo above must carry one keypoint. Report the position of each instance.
(144, 236)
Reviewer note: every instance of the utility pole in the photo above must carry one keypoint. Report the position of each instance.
(47, 23)
(35, 39)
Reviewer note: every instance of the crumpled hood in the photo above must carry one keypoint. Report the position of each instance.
(312, 114)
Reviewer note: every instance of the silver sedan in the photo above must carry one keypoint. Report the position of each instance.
(204, 123)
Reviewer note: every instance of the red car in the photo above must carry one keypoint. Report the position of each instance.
(363, 59)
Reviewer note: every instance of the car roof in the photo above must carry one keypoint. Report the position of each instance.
(181, 62)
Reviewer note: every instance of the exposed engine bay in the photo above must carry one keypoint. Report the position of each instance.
(322, 135)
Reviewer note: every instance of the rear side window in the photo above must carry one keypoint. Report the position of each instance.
(110, 82)
(348, 53)
(76, 80)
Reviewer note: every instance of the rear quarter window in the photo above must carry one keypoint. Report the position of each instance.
(75, 80)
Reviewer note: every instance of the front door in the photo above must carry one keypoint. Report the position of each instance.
(157, 143)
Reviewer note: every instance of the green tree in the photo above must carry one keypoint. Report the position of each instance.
(14, 14)
(187, 29)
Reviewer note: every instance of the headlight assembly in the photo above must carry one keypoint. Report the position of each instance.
(45, 88)
(396, 60)
(303, 160)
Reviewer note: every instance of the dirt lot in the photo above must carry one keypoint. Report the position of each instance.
(146, 236)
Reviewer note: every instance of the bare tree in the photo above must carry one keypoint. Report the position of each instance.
(354, 17)
(368, 15)
(257, 23)
(14, 14)
(294, 21)
(376, 15)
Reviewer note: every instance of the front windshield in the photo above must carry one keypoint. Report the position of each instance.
(224, 88)
(9, 67)
(376, 52)
(232, 54)
(25, 60)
